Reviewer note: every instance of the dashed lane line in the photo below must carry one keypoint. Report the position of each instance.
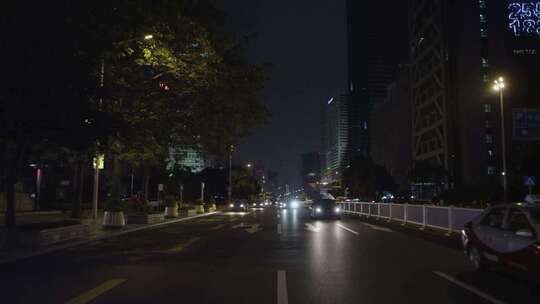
(183, 246)
(348, 229)
(282, 297)
(472, 289)
(92, 294)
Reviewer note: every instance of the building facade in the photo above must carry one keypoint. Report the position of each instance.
(458, 48)
(377, 43)
(336, 135)
(391, 129)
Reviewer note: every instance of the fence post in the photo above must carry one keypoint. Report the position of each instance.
(390, 212)
(405, 214)
(424, 217)
(378, 211)
(369, 210)
(450, 219)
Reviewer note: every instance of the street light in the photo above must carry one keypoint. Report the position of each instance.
(499, 86)
(148, 37)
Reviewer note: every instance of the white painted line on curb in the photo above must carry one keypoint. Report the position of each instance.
(278, 228)
(92, 294)
(474, 290)
(348, 229)
(282, 297)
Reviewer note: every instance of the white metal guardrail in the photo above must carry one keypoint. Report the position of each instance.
(451, 219)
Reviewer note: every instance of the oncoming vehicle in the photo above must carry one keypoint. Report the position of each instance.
(506, 235)
(325, 208)
(239, 206)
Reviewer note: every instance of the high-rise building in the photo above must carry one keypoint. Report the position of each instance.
(189, 158)
(311, 173)
(335, 136)
(458, 49)
(377, 43)
(391, 129)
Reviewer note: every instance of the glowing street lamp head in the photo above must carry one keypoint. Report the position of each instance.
(499, 84)
(148, 37)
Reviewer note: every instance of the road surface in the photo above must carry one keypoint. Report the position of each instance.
(263, 256)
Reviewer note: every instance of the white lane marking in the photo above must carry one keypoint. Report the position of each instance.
(278, 228)
(312, 228)
(254, 228)
(282, 297)
(374, 227)
(218, 227)
(474, 290)
(180, 247)
(348, 229)
(92, 294)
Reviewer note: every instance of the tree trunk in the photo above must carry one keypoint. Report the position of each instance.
(12, 168)
(77, 201)
(146, 182)
(116, 178)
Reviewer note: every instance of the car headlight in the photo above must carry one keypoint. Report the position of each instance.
(318, 210)
(231, 205)
(241, 205)
(285, 205)
(294, 204)
(337, 210)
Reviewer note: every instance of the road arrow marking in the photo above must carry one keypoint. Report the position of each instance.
(312, 228)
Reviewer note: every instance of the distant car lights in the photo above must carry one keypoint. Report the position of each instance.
(295, 204)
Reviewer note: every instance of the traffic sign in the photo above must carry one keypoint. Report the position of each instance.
(530, 181)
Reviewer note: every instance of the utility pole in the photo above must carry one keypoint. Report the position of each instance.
(231, 150)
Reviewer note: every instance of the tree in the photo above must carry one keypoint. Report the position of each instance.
(365, 180)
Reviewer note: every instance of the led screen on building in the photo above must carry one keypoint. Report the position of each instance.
(524, 18)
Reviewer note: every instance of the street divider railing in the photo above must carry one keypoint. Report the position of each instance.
(450, 219)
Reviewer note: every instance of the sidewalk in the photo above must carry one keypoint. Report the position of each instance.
(97, 232)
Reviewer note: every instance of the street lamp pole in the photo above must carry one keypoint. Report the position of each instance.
(499, 87)
(230, 173)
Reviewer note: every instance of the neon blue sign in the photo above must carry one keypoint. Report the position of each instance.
(524, 18)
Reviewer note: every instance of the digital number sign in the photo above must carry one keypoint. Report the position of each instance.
(524, 18)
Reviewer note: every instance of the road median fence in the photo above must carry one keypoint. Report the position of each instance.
(450, 219)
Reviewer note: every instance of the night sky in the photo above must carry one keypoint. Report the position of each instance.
(305, 41)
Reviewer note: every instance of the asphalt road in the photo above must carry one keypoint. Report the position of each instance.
(265, 256)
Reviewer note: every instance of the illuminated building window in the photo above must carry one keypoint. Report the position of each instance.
(485, 78)
(483, 18)
(488, 124)
(490, 153)
(487, 108)
(491, 170)
(483, 33)
(489, 139)
(482, 4)
(485, 63)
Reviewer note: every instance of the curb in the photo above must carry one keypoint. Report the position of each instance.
(93, 239)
